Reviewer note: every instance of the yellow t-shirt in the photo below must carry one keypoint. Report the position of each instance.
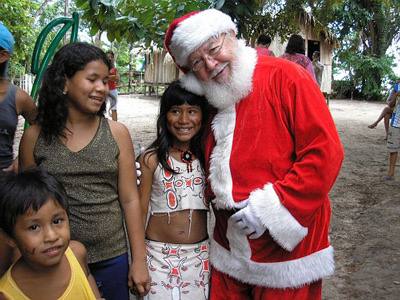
(78, 287)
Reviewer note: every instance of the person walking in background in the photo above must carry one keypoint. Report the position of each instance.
(13, 103)
(393, 137)
(113, 79)
(295, 50)
(262, 45)
(318, 67)
(33, 215)
(93, 158)
(172, 190)
(386, 112)
(272, 155)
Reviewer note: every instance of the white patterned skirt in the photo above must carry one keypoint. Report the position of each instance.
(178, 271)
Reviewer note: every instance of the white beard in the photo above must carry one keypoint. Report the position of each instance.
(223, 95)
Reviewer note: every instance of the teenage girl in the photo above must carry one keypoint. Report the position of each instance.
(93, 158)
(172, 192)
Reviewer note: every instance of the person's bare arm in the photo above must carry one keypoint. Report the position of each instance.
(25, 106)
(26, 147)
(139, 278)
(391, 101)
(80, 253)
(148, 165)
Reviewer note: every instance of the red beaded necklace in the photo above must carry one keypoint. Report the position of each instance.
(186, 157)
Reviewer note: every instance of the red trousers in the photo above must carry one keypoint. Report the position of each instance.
(224, 287)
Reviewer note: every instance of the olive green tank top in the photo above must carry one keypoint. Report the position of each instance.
(90, 178)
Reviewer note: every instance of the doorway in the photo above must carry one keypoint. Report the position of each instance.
(312, 46)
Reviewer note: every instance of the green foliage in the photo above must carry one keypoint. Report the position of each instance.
(142, 22)
(18, 17)
(366, 29)
(26, 19)
(368, 75)
(271, 17)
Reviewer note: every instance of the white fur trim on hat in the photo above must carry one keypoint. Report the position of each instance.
(194, 31)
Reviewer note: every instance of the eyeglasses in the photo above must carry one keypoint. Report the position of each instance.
(213, 50)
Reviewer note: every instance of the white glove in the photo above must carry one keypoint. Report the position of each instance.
(248, 223)
(138, 172)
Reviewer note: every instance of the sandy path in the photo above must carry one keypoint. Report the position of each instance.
(365, 230)
(365, 227)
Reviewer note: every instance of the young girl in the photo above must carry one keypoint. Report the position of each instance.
(172, 190)
(33, 215)
(93, 158)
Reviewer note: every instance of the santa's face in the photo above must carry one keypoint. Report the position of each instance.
(229, 84)
(212, 62)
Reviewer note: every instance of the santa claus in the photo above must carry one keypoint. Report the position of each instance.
(273, 154)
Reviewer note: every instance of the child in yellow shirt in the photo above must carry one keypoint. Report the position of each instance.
(33, 217)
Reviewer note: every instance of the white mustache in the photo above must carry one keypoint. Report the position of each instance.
(218, 69)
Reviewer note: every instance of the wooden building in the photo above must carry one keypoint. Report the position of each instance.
(317, 38)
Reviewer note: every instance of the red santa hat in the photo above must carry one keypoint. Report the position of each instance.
(187, 33)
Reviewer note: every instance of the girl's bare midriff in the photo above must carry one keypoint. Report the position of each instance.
(175, 227)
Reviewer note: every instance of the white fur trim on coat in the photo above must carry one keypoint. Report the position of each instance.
(220, 177)
(287, 274)
(283, 227)
(194, 31)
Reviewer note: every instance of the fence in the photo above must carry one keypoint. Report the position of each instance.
(25, 82)
(159, 71)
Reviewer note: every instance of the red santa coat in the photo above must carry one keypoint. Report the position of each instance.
(278, 151)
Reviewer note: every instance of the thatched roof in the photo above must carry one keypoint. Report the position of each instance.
(308, 20)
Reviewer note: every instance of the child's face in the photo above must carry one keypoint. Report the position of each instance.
(184, 122)
(88, 88)
(110, 57)
(42, 236)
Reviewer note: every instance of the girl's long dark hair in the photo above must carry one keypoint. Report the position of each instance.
(295, 45)
(52, 103)
(176, 95)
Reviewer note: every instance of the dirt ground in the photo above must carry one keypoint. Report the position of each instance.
(365, 227)
(365, 230)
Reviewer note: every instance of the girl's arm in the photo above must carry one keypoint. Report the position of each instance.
(139, 278)
(25, 106)
(148, 165)
(80, 253)
(27, 146)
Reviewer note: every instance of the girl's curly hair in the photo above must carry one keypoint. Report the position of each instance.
(52, 103)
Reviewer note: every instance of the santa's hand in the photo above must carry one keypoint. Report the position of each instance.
(248, 223)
